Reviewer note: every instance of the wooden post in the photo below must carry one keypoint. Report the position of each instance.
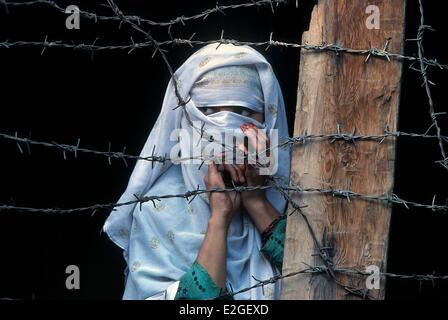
(344, 90)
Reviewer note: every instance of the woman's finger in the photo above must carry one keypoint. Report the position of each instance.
(262, 138)
(214, 177)
(252, 171)
(264, 143)
(251, 135)
(252, 139)
(212, 169)
(233, 174)
(240, 173)
(242, 167)
(255, 140)
(259, 140)
(242, 152)
(221, 156)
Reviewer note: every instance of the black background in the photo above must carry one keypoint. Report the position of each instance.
(64, 95)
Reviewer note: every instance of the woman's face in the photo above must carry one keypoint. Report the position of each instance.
(259, 116)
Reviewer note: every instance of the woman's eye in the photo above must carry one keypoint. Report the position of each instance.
(208, 111)
(246, 113)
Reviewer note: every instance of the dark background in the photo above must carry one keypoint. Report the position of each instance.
(64, 95)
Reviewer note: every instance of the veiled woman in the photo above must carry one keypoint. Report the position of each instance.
(211, 244)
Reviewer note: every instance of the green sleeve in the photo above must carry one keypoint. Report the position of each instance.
(196, 284)
(274, 245)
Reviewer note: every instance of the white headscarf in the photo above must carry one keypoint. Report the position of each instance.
(229, 86)
(161, 243)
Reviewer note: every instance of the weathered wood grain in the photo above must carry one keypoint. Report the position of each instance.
(344, 89)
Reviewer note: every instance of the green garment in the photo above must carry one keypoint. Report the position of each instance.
(196, 284)
(274, 246)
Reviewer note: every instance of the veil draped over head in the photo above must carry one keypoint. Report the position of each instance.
(161, 240)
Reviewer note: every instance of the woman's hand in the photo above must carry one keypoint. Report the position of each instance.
(255, 202)
(222, 204)
(259, 142)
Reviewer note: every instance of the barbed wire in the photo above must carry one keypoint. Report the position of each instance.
(154, 42)
(300, 139)
(426, 82)
(130, 47)
(346, 193)
(322, 269)
(180, 20)
(77, 149)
